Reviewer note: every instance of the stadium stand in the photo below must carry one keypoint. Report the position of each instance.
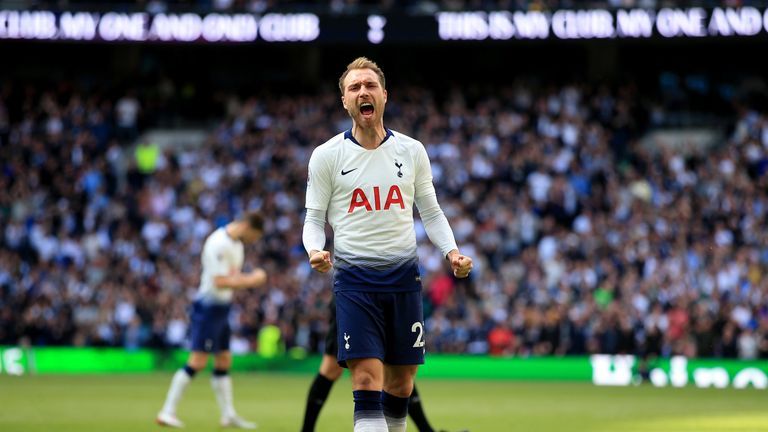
(586, 239)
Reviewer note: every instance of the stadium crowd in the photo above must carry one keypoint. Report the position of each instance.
(585, 241)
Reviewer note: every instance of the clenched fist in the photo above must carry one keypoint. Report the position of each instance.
(257, 277)
(460, 264)
(320, 261)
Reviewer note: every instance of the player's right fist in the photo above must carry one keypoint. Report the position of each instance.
(321, 261)
(258, 277)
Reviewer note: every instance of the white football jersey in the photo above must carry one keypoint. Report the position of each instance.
(369, 196)
(222, 255)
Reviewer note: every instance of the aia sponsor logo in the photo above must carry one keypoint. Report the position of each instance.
(374, 202)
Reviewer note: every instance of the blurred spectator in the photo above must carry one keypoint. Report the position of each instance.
(501, 340)
(127, 111)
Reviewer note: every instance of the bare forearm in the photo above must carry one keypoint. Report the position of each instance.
(237, 281)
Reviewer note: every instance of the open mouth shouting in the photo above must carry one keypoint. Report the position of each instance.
(366, 110)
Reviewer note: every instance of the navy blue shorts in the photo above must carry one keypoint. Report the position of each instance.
(384, 325)
(209, 327)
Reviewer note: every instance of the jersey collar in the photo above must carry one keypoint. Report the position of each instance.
(348, 135)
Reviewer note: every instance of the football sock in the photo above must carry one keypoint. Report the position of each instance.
(416, 412)
(221, 383)
(179, 383)
(191, 372)
(369, 415)
(395, 411)
(318, 393)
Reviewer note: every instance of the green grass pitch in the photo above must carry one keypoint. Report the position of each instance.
(276, 401)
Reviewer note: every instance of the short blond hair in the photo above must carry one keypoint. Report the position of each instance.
(362, 63)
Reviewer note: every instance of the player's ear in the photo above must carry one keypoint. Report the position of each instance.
(385, 95)
(343, 102)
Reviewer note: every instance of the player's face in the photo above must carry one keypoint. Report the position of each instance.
(251, 236)
(364, 97)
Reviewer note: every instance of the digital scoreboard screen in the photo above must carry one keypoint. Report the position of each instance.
(442, 27)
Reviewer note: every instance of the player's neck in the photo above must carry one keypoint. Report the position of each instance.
(232, 230)
(369, 138)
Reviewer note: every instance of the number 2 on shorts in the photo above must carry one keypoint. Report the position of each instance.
(418, 327)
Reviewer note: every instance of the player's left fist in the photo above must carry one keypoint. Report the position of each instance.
(321, 261)
(460, 264)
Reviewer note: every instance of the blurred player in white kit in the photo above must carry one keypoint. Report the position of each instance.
(222, 262)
